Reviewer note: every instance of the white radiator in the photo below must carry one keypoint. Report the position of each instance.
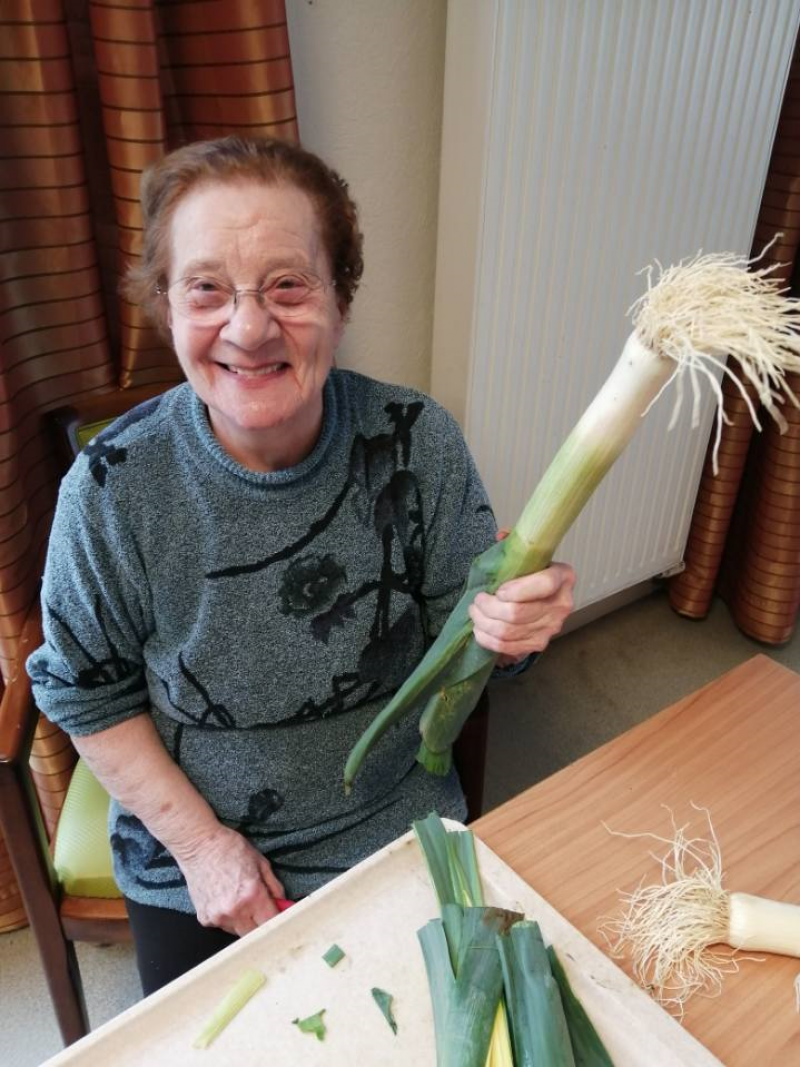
(582, 140)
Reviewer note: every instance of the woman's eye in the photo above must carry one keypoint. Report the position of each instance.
(206, 292)
(288, 288)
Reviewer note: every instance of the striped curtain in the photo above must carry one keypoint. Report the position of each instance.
(91, 92)
(744, 541)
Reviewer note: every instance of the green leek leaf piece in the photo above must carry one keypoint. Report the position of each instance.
(384, 1002)
(538, 1025)
(451, 861)
(465, 997)
(230, 1005)
(588, 1049)
(333, 956)
(312, 1024)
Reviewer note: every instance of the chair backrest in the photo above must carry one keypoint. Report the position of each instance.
(72, 427)
(75, 424)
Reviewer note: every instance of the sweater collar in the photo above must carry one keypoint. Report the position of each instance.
(222, 459)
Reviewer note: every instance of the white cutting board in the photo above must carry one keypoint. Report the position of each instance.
(373, 913)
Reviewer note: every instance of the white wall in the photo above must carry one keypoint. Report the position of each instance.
(368, 81)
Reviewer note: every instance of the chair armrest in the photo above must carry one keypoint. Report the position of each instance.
(18, 713)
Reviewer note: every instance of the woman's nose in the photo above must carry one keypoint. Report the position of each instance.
(251, 323)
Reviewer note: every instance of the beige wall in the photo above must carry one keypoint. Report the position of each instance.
(368, 79)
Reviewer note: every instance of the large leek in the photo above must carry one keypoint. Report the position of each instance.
(696, 315)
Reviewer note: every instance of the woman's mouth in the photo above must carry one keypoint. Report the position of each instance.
(254, 372)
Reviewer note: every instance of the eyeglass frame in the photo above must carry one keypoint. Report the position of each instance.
(231, 305)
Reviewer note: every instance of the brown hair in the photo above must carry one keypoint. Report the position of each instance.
(233, 158)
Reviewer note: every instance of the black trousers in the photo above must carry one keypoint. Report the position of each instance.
(169, 943)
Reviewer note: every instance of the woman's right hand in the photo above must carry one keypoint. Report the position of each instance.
(231, 884)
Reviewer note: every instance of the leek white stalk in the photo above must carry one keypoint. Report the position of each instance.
(229, 1007)
(695, 316)
(758, 924)
(686, 932)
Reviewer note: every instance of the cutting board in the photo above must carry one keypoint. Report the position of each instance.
(373, 913)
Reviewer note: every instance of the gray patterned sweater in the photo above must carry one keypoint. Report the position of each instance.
(262, 620)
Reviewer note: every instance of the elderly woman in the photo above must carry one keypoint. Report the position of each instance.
(242, 571)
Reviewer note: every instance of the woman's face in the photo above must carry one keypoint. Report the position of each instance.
(261, 372)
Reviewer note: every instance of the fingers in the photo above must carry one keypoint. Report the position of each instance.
(525, 613)
(233, 886)
(246, 914)
(556, 580)
(270, 881)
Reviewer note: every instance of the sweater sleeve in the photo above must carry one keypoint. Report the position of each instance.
(462, 524)
(88, 675)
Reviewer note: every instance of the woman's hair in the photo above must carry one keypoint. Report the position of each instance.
(232, 159)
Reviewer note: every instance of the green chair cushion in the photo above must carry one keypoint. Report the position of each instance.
(82, 855)
(84, 433)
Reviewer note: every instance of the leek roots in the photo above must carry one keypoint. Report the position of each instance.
(687, 932)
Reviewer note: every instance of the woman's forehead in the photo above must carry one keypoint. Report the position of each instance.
(232, 222)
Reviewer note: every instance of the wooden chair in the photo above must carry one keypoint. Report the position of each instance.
(57, 918)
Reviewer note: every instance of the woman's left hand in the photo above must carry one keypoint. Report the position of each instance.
(524, 614)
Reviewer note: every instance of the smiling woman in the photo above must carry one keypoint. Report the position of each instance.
(270, 553)
(259, 364)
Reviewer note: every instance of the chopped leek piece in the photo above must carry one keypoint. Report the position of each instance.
(384, 1002)
(333, 956)
(230, 1005)
(312, 1024)
(588, 1049)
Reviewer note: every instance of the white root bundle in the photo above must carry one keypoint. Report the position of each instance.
(687, 932)
(700, 312)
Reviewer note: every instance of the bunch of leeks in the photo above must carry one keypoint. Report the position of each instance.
(464, 970)
(697, 314)
(485, 965)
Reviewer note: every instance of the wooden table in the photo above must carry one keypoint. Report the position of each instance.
(732, 747)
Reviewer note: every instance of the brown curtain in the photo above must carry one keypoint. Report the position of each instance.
(744, 541)
(90, 94)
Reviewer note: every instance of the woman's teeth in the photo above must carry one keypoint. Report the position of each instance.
(256, 372)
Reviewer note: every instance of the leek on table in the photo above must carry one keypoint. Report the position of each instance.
(453, 867)
(696, 315)
(550, 1027)
(312, 1024)
(465, 995)
(538, 1024)
(230, 1006)
(333, 955)
(686, 931)
(587, 1047)
(384, 1002)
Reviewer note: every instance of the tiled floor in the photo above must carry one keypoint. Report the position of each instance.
(592, 684)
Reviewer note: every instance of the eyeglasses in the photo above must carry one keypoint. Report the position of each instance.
(211, 301)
